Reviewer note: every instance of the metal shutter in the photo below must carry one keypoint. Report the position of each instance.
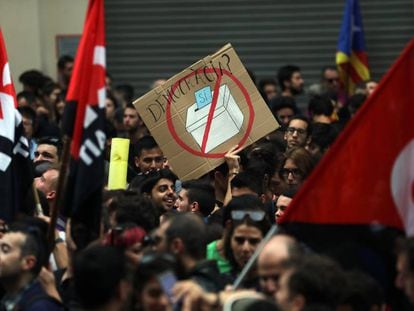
(151, 39)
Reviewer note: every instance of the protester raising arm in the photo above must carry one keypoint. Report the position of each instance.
(233, 162)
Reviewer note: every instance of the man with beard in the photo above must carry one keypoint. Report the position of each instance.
(23, 252)
(329, 83)
(146, 156)
(159, 186)
(298, 132)
(184, 235)
(196, 197)
(290, 80)
(133, 125)
(65, 68)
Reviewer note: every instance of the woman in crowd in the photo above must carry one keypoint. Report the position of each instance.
(296, 167)
(249, 224)
(59, 107)
(153, 282)
(130, 238)
(110, 106)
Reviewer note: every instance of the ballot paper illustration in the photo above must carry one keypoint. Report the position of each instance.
(227, 118)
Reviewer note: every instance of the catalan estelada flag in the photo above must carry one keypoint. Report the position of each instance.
(351, 57)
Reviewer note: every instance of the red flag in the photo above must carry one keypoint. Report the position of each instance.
(86, 96)
(9, 116)
(15, 164)
(360, 196)
(87, 86)
(367, 176)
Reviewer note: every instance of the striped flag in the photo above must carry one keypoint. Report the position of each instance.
(84, 122)
(15, 165)
(351, 56)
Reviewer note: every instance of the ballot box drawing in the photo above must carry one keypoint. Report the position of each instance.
(227, 119)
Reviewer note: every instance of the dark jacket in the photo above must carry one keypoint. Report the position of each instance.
(207, 275)
(36, 299)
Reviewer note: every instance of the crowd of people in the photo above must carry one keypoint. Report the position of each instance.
(171, 244)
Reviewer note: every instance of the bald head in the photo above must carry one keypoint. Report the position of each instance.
(279, 249)
(276, 250)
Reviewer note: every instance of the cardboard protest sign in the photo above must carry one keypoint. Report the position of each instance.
(200, 113)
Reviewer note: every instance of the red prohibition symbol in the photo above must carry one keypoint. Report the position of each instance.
(220, 73)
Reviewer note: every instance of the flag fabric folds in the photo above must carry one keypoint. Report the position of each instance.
(16, 175)
(351, 56)
(362, 193)
(367, 176)
(84, 122)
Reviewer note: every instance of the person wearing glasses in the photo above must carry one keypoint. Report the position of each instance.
(296, 167)
(249, 224)
(329, 83)
(298, 132)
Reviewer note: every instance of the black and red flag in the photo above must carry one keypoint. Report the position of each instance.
(15, 164)
(361, 195)
(84, 122)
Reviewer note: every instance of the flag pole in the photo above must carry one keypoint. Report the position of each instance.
(272, 231)
(38, 209)
(55, 208)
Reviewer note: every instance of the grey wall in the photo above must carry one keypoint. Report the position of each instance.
(151, 39)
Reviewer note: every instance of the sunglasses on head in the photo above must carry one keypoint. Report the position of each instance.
(253, 215)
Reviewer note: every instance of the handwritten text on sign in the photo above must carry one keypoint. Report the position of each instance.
(157, 109)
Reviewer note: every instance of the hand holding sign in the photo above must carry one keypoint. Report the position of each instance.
(233, 160)
(199, 113)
